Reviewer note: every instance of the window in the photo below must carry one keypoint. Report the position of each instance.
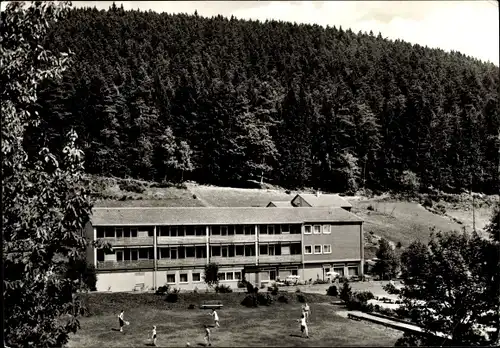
(223, 231)
(173, 253)
(119, 232)
(134, 254)
(352, 271)
(295, 229)
(317, 249)
(222, 276)
(327, 249)
(133, 232)
(327, 229)
(100, 232)
(151, 232)
(285, 228)
(317, 229)
(271, 249)
(229, 276)
(180, 231)
(170, 278)
(240, 250)
(249, 230)
(173, 231)
(263, 229)
(189, 251)
(201, 252)
(249, 250)
(272, 275)
(196, 277)
(164, 232)
(270, 229)
(215, 251)
(237, 275)
(239, 229)
(263, 250)
(189, 231)
(215, 231)
(307, 229)
(100, 255)
(224, 251)
(231, 250)
(200, 230)
(126, 232)
(143, 254)
(295, 272)
(109, 232)
(183, 278)
(295, 249)
(285, 250)
(164, 253)
(181, 253)
(230, 230)
(308, 249)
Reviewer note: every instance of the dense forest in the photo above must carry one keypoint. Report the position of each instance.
(221, 101)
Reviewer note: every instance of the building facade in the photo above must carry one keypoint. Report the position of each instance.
(157, 246)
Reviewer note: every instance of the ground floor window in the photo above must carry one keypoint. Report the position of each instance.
(170, 278)
(353, 271)
(339, 270)
(222, 276)
(295, 272)
(196, 277)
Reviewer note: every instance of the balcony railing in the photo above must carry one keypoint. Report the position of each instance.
(279, 258)
(181, 262)
(280, 238)
(129, 241)
(135, 264)
(237, 238)
(182, 240)
(246, 260)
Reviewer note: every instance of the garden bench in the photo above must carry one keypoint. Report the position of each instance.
(211, 305)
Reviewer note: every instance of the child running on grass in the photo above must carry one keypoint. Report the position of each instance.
(153, 336)
(121, 321)
(307, 311)
(303, 326)
(216, 317)
(208, 339)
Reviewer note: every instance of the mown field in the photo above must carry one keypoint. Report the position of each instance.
(264, 326)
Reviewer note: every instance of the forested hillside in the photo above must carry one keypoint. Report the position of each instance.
(220, 101)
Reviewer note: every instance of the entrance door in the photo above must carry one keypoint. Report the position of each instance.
(119, 255)
(272, 275)
(325, 271)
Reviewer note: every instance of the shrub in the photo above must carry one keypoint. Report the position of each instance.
(370, 207)
(162, 290)
(250, 301)
(346, 292)
(366, 307)
(274, 290)
(364, 296)
(332, 291)
(391, 289)
(297, 290)
(283, 299)
(242, 284)
(195, 291)
(427, 202)
(301, 298)
(441, 209)
(132, 186)
(223, 289)
(354, 304)
(172, 297)
(320, 281)
(264, 299)
(250, 288)
(191, 306)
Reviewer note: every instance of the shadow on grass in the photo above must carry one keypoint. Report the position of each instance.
(113, 329)
(202, 344)
(295, 335)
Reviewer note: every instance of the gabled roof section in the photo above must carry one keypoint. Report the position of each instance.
(281, 204)
(324, 200)
(141, 216)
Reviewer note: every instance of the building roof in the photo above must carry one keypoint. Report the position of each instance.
(324, 200)
(282, 204)
(217, 216)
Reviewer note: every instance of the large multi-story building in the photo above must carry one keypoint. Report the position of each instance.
(157, 246)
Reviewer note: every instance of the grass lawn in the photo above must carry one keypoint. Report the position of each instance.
(274, 325)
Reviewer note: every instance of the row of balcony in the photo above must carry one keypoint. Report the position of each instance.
(191, 262)
(203, 239)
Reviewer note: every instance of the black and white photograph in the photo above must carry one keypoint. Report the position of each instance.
(250, 173)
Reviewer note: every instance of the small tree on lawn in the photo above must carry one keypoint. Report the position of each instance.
(211, 276)
(452, 286)
(346, 292)
(387, 263)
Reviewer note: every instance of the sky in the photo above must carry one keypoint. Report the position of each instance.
(470, 27)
